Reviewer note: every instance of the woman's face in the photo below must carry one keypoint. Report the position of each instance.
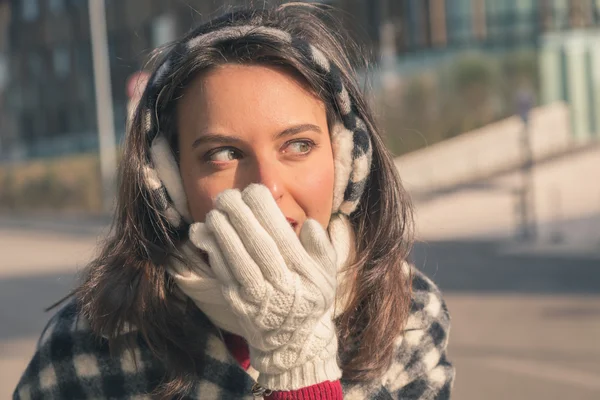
(243, 124)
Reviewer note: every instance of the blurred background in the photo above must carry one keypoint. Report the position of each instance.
(492, 108)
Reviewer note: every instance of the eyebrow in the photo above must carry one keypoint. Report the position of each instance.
(229, 139)
(294, 130)
(215, 138)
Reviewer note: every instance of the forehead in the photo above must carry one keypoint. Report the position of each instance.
(234, 93)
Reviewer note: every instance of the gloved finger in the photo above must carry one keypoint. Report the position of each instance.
(341, 235)
(197, 287)
(203, 239)
(196, 259)
(267, 212)
(262, 203)
(316, 243)
(241, 307)
(257, 241)
(241, 264)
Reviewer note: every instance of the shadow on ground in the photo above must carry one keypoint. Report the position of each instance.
(23, 300)
(462, 267)
(67, 224)
(480, 266)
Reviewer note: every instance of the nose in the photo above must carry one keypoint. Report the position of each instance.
(267, 173)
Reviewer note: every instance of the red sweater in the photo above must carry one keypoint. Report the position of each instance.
(322, 391)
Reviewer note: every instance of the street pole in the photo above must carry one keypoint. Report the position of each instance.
(104, 104)
(528, 231)
(528, 222)
(387, 53)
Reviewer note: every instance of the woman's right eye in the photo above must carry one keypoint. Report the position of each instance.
(223, 154)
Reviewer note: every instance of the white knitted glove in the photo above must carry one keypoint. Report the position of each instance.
(197, 280)
(280, 286)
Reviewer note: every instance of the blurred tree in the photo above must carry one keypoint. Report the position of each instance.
(470, 91)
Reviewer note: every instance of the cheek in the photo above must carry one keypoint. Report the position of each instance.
(314, 189)
(201, 196)
(200, 200)
(201, 191)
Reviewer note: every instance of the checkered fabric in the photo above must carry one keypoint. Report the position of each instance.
(350, 136)
(71, 362)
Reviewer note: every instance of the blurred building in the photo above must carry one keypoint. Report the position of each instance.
(566, 33)
(424, 24)
(7, 128)
(50, 88)
(46, 61)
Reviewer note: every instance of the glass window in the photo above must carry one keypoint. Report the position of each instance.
(77, 119)
(30, 9)
(27, 127)
(459, 21)
(83, 57)
(3, 71)
(561, 14)
(35, 65)
(62, 62)
(56, 6)
(85, 87)
(500, 19)
(62, 121)
(113, 42)
(163, 30)
(525, 19)
(31, 95)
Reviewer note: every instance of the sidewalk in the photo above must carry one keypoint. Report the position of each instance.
(39, 267)
(56, 222)
(510, 314)
(566, 193)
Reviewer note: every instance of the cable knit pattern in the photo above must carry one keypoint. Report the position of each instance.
(71, 362)
(281, 287)
(322, 391)
(197, 280)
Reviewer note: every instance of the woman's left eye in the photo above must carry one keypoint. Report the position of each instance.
(300, 146)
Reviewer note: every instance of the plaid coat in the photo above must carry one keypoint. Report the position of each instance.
(71, 362)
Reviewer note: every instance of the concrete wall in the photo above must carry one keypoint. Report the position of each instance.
(485, 151)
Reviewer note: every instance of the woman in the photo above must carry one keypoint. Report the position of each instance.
(260, 238)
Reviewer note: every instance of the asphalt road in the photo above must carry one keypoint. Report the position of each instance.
(524, 326)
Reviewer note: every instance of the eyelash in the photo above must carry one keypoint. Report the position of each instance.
(211, 153)
(312, 145)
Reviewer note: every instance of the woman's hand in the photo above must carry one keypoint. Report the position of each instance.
(197, 280)
(281, 287)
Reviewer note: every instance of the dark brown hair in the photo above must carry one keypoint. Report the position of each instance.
(128, 283)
